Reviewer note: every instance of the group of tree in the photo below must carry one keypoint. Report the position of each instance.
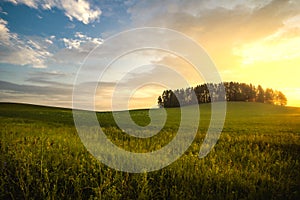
(209, 92)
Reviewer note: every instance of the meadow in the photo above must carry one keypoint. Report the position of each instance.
(256, 157)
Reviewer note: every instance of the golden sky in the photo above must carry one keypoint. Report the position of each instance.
(255, 42)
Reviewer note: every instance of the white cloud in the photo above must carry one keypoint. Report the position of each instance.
(76, 49)
(79, 35)
(4, 32)
(24, 55)
(34, 45)
(78, 9)
(81, 42)
(21, 52)
(71, 43)
(48, 41)
(30, 3)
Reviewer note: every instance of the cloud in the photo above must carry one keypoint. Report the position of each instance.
(71, 43)
(41, 52)
(76, 49)
(4, 33)
(31, 89)
(232, 32)
(78, 9)
(247, 20)
(29, 3)
(21, 51)
(266, 51)
(49, 78)
(70, 26)
(39, 16)
(144, 12)
(262, 35)
(48, 41)
(43, 95)
(219, 26)
(281, 45)
(80, 40)
(53, 93)
(3, 12)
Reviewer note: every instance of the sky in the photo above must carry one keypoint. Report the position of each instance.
(44, 44)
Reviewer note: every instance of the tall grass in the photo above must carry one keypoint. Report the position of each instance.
(256, 157)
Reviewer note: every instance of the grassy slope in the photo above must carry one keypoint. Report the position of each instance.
(257, 156)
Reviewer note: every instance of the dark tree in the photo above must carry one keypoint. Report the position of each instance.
(260, 94)
(160, 102)
(210, 92)
(269, 96)
(280, 98)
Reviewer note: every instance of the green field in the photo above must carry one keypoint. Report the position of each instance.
(256, 157)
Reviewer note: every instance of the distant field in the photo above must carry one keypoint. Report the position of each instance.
(256, 157)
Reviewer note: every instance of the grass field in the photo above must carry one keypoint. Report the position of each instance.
(256, 157)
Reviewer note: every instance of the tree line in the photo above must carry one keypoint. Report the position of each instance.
(234, 91)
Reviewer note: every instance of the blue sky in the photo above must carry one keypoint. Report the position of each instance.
(43, 44)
